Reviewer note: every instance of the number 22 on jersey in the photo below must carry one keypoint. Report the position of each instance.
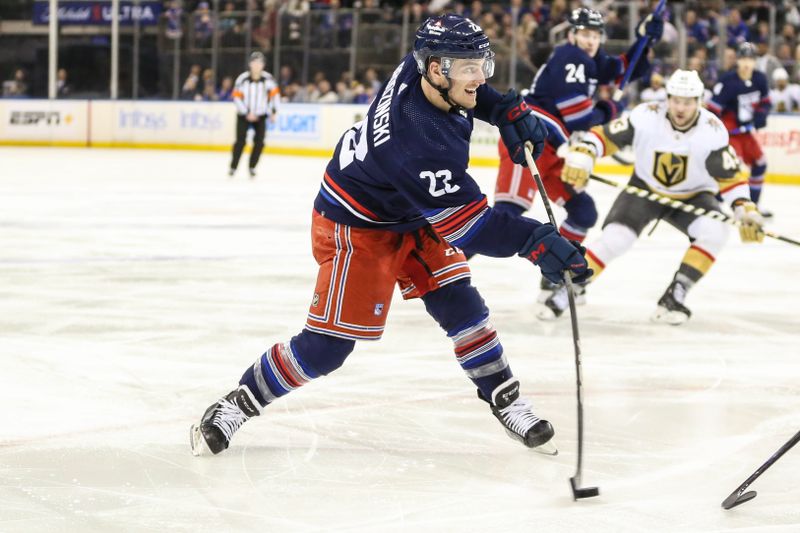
(352, 148)
(446, 176)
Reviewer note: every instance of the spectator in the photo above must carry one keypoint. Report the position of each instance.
(761, 33)
(372, 79)
(295, 13)
(459, 8)
(191, 87)
(360, 94)
(525, 32)
(344, 93)
(558, 13)
(796, 64)
(419, 13)
(698, 31)
(788, 35)
(728, 59)
(793, 13)
(738, 31)
(266, 31)
(209, 91)
(324, 94)
(498, 13)
(476, 10)
(173, 17)
(227, 19)
(225, 93)
(289, 92)
(656, 92)
(17, 86)
(540, 11)
(709, 72)
(203, 25)
(766, 62)
(615, 28)
(286, 76)
(784, 56)
(63, 89)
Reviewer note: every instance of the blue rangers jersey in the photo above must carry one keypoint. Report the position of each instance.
(741, 103)
(405, 166)
(563, 89)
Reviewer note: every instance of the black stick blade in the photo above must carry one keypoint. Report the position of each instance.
(579, 493)
(734, 499)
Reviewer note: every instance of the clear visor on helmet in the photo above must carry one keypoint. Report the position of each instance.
(468, 69)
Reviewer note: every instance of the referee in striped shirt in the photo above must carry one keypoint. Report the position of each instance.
(257, 97)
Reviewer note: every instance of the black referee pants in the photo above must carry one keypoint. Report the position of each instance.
(242, 125)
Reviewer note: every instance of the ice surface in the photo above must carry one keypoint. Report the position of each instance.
(136, 286)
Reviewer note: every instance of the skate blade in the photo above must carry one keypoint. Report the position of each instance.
(197, 442)
(548, 448)
(663, 315)
(546, 314)
(543, 296)
(580, 299)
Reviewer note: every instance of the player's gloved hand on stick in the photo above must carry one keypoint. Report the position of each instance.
(609, 108)
(747, 213)
(578, 165)
(652, 27)
(517, 126)
(554, 254)
(742, 129)
(759, 120)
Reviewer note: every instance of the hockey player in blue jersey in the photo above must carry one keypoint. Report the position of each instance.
(741, 99)
(562, 96)
(396, 206)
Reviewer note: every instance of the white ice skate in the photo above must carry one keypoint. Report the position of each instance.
(558, 302)
(221, 420)
(516, 415)
(670, 308)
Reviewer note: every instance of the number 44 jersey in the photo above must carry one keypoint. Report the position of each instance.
(404, 165)
(676, 163)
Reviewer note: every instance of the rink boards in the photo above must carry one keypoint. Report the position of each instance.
(300, 129)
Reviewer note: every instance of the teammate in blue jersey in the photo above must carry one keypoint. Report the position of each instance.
(741, 99)
(395, 206)
(562, 96)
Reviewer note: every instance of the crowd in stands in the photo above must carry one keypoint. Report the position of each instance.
(199, 85)
(713, 29)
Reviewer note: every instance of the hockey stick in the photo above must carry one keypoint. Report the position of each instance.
(637, 53)
(683, 206)
(578, 492)
(736, 497)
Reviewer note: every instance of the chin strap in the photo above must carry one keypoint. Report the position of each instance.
(444, 92)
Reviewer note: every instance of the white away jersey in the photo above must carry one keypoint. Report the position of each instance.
(671, 162)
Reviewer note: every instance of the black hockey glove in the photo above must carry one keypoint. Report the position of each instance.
(652, 27)
(609, 109)
(517, 126)
(554, 254)
(759, 119)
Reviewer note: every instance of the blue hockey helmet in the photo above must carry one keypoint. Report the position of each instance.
(746, 50)
(450, 37)
(583, 18)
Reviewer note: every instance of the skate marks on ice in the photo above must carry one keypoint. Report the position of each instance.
(138, 285)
